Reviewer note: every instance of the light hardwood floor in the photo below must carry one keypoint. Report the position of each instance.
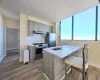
(93, 74)
(11, 69)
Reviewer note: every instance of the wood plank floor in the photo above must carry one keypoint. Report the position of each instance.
(11, 69)
(93, 74)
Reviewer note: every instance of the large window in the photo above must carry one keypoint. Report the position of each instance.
(66, 29)
(84, 25)
(98, 22)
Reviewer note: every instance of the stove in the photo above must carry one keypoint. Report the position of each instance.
(38, 50)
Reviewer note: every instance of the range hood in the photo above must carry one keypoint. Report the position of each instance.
(37, 32)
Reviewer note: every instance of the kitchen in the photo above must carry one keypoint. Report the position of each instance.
(42, 44)
(40, 36)
(69, 21)
(39, 48)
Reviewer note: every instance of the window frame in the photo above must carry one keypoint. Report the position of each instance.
(96, 27)
(71, 29)
(96, 24)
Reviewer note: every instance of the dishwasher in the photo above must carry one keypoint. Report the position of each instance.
(32, 52)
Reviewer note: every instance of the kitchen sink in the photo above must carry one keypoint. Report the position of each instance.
(56, 48)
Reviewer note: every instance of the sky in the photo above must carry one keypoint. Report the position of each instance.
(84, 25)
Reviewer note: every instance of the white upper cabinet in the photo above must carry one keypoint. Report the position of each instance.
(45, 29)
(38, 27)
(30, 27)
(41, 27)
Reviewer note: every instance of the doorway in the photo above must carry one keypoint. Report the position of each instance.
(12, 42)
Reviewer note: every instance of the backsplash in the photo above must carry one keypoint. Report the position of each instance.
(37, 38)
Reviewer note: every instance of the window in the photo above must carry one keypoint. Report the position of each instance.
(66, 28)
(98, 22)
(84, 25)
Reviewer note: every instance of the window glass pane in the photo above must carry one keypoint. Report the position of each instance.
(66, 28)
(99, 22)
(84, 25)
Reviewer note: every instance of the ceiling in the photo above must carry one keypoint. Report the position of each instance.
(9, 14)
(50, 10)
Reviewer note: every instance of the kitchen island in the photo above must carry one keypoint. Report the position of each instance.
(54, 63)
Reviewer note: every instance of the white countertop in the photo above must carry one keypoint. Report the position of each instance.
(64, 52)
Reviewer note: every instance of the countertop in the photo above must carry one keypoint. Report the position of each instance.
(64, 52)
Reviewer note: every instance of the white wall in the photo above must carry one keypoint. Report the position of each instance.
(23, 34)
(40, 20)
(24, 31)
(10, 23)
(56, 30)
(54, 27)
(1, 38)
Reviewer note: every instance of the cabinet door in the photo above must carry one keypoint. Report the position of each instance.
(45, 29)
(41, 27)
(30, 28)
(46, 60)
(48, 28)
(36, 26)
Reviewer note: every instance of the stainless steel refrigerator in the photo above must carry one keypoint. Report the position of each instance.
(50, 39)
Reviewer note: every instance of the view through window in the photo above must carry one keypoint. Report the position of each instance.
(66, 28)
(84, 26)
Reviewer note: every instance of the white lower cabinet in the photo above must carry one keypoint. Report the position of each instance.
(32, 52)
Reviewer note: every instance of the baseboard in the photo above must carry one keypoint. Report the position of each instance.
(61, 76)
(1, 58)
(95, 65)
(45, 76)
(20, 60)
(12, 49)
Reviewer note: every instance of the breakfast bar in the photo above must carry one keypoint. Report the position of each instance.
(53, 59)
